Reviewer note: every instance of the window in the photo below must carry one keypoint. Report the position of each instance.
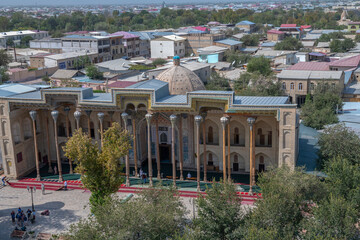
(210, 162)
(312, 86)
(292, 86)
(163, 138)
(210, 135)
(284, 86)
(236, 164)
(270, 138)
(16, 132)
(300, 86)
(236, 136)
(19, 157)
(333, 85)
(27, 128)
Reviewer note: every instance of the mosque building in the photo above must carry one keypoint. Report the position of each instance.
(173, 119)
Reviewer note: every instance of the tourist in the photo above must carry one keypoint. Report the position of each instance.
(141, 173)
(28, 213)
(65, 185)
(19, 210)
(3, 180)
(13, 216)
(188, 175)
(43, 188)
(144, 178)
(32, 219)
(55, 170)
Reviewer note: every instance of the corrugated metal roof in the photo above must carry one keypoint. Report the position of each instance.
(229, 41)
(260, 101)
(173, 99)
(310, 66)
(245, 23)
(347, 62)
(299, 74)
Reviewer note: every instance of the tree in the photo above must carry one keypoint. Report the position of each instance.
(100, 169)
(259, 64)
(4, 76)
(339, 141)
(342, 46)
(81, 62)
(217, 82)
(357, 38)
(5, 58)
(286, 195)
(25, 41)
(289, 43)
(219, 213)
(321, 110)
(155, 214)
(93, 73)
(250, 40)
(46, 78)
(159, 61)
(255, 84)
(237, 58)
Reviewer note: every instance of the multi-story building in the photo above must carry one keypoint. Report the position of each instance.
(16, 36)
(67, 60)
(200, 40)
(131, 43)
(247, 26)
(263, 131)
(168, 47)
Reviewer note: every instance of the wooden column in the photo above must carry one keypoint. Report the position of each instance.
(181, 154)
(204, 145)
(224, 121)
(33, 115)
(251, 122)
(88, 113)
(198, 119)
(50, 170)
(157, 147)
(173, 119)
(228, 158)
(55, 115)
(148, 117)
(68, 136)
(135, 146)
(125, 117)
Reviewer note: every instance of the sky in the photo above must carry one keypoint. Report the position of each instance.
(99, 2)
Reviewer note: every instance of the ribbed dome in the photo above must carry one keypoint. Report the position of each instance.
(181, 80)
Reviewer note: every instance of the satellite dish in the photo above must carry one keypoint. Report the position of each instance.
(123, 64)
(191, 55)
(233, 63)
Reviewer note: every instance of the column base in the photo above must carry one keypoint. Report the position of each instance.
(61, 179)
(127, 182)
(38, 178)
(151, 182)
(198, 187)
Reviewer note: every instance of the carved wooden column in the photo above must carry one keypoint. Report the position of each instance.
(50, 170)
(198, 120)
(157, 147)
(251, 122)
(67, 110)
(33, 115)
(55, 115)
(101, 119)
(228, 158)
(88, 113)
(181, 154)
(173, 119)
(148, 117)
(203, 115)
(224, 121)
(125, 117)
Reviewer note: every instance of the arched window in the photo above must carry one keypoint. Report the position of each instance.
(292, 86)
(16, 133)
(210, 161)
(163, 138)
(236, 136)
(261, 136)
(61, 130)
(284, 86)
(261, 164)
(300, 86)
(236, 163)
(261, 160)
(210, 135)
(270, 138)
(27, 128)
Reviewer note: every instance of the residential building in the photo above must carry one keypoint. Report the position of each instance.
(200, 40)
(247, 26)
(117, 66)
(52, 45)
(116, 47)
(168, 47)
(292, 30)
(67, 60)
(353, 27)
(278, 56)
(275, 35)
(230, 44)
(211, 54)
(298, 83)
(16, 36)
(131, 43)
(145, 39)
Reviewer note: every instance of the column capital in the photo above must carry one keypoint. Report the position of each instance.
(251, 121)
(101, 116)
(148, 117)
(173, 119)
(55, 114)
(198, 119)
(33, 114)
(224, 121)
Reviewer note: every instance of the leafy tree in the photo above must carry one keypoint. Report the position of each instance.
(57, 34)
(10, 42)
(259, 64)
(357, 38)
(237, 58)
(5, 58)
(342, 180)
(4, 76)
(81, 62)
(255, 84)
(100, 169)
(159, 61)
(217, 82)
(46, 78)
(342, 46)
(155, 214)
(339, 141)
(334, 218)
(219, 213)
(286, 195)
(25, 41)
(289, 43)
(321, 110)
(250, 40)
(93, 73)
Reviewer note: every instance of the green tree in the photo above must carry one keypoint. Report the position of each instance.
(339, 141)
(81, 62)
(259, 64)
(289, 43)
(159, 61)
(93, 73)
(342, 46)
(5, 58)
(237, 58)
(219, 213)
(357, 38)
(255, 84)
(154, 214)
(25, 41)
(218, 82)
(46, 78)
(100, 169)
(250, 40)
(4, 76)
(286, 195)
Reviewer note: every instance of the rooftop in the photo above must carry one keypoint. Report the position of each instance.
(229, 42)
(299, 74)
(310, 66)
(245, 23)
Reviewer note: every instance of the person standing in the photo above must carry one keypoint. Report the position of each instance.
(55, 170)
(43, 188)
(3, 180)
(65, 185)
(13, 216)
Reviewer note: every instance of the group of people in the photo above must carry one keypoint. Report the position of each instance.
(22, 219)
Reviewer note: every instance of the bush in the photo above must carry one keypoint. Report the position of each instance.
(289, 43)
(93, 73)
(159, 61)
(259, 64)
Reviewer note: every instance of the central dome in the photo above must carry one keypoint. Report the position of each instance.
(181, 80)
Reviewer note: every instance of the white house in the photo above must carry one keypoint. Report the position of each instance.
(168, 46)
